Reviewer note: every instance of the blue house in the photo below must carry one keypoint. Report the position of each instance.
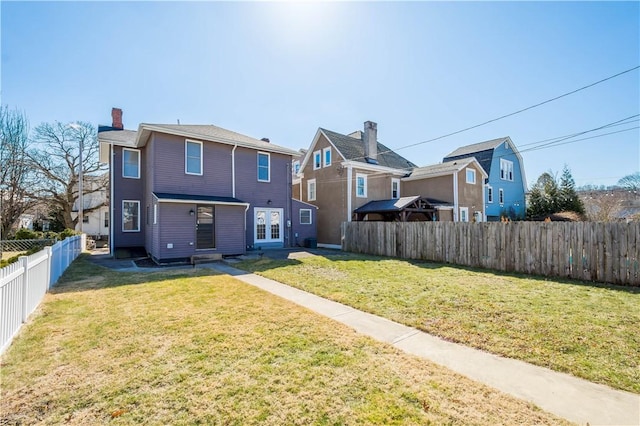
(506, 186)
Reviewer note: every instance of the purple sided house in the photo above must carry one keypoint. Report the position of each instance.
(178, 191)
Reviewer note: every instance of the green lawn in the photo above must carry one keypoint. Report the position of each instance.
(193, 347)
(590, 331)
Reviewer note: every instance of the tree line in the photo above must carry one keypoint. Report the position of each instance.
(39, 169)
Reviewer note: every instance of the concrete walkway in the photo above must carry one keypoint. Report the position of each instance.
(574, 399)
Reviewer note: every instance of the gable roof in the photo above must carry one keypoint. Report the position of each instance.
(204, 132)
(391, 205)
(477, 147)
(352, 149)
(442, 169)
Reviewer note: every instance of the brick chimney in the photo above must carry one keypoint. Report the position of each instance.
(116, 118)
(370, 141)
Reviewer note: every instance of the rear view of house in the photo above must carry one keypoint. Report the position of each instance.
(184, 190)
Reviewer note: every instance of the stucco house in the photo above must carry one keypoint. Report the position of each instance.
(341, 173)
(177, 191)
(506, 185)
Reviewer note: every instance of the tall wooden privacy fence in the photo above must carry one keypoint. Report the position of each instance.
(605, 252)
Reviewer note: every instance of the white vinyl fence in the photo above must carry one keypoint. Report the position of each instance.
(23, 284)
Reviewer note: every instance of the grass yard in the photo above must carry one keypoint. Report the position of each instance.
(587, 330)
(193, 347)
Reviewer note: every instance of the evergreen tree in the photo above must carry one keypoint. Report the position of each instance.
(547, 196)
(569, 200)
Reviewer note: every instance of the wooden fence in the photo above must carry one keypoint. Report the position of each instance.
(592, 251)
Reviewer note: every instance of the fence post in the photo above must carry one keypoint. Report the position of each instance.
(49, 251)
(24, 260)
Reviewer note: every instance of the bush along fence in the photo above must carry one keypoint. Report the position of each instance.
(23, 284)
(591, 251)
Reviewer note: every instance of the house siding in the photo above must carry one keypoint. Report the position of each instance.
(301, 231)
(470, 195)
(514, 193)
(126, 189)
(439, 188)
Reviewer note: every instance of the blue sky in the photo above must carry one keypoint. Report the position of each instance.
(281, 70)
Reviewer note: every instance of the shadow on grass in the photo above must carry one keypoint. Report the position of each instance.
(84, 275)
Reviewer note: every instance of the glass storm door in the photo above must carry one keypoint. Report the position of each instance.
(205, 228)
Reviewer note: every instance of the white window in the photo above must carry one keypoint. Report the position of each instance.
(317, 160)
(130, 216)
(130, 163)
(264, 162)
(268, 225)
(464, 214)
(311, 190)
(296, 167)
(395, 188)
(305, 216)
(361, 185)
(471, 176)
(193, 158)
(501, 196)
(506, 169)
(85, 218)
(489, 194)
(326, 155)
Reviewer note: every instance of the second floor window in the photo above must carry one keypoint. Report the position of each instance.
(317, 160)
(471, 176)
(326, 154)
(361, 185)
(489, 194)
(263, 167)
(296, 167)
(193, 157)
(311, 190)
(506, 169)
(395, 188)
(130, 163)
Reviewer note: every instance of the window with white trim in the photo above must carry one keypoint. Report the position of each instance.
(361, 185)
(489, 194)
(395, 188)
(311, 190)
(264, 166)
(305, 216)
(85, 218)
(296, 167)
(130, 163)
(130, 216)
(326, 156)
(471, 176)
(506, 169)
(464, 214)
(501, 196)
(317, 160)
(193, 157)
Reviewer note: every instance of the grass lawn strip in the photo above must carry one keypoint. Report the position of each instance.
(587, 330)
(193, 347)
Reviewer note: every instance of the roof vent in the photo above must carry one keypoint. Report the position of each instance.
(265, 140)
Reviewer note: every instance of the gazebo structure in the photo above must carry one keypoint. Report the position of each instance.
(403, 209)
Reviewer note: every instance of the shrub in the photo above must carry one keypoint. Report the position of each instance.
(27, 234)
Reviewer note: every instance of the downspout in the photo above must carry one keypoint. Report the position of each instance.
(289, 204)
(111, 200)
(233, 175)
(455, 197)
(246, 209)
(349, 176)
(484, 206)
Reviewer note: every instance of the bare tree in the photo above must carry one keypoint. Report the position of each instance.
(56, 160)
(14, 167)
(603, 205)
(630, 182)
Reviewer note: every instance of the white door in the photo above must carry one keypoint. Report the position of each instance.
(268, 225)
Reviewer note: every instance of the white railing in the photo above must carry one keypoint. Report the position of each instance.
(23, 284)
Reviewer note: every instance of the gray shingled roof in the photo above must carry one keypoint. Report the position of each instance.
(440, 169)
(482, 151)
(391, 205)
(353, 149)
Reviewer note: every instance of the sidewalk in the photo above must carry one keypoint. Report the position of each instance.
(574, 399)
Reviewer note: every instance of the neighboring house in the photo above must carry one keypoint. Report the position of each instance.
(184, 190)
(505, 187)
(454, 189)
(341, 173)
(95, 203)
(296, 162)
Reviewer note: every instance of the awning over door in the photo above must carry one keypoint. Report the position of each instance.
(164, 197)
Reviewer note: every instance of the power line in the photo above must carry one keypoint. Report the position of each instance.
(535, 148)
(515, 112)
